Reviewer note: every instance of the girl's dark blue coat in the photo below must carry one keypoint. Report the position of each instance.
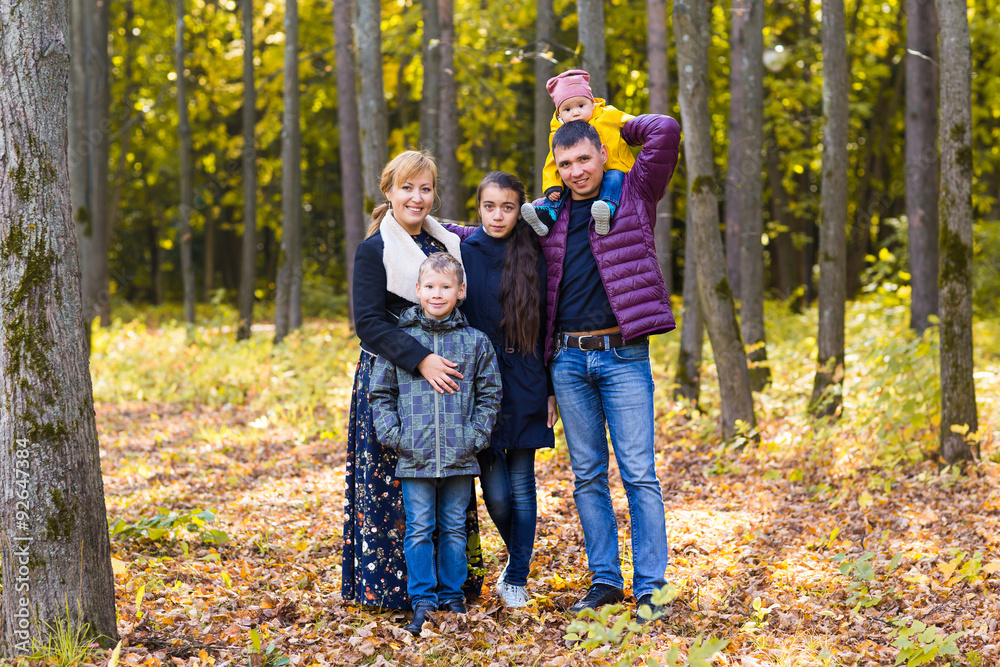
(521, 423)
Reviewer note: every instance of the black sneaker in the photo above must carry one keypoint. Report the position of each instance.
(598, 595)
(657, 611)
(454, 606)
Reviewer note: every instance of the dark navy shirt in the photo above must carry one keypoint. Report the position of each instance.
(583, 303)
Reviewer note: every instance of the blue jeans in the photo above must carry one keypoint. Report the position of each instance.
(435, 577)
(613, 389)
(611, 192)
(508, 481)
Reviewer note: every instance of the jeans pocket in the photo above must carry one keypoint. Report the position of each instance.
(632, 352)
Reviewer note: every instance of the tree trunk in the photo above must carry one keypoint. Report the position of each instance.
(79, 155)
(922, 159)
(288, 308)
(187, 176)
(430, 96)
(210, 243)
(98, 134)
(350, 148)
(829, 381)
(544, 70)
(959, 417)
(450, 178)
(688, 378)
(691, 34)
(733, 201)
(659, 102)
(786, 258)
(248, 256)
(590, 27)
(54, 549)
(372, 111)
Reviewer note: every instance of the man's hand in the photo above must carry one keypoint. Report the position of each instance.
(553, 412)
(438, 371)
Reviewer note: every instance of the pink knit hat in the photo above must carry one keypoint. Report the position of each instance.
(573, 83)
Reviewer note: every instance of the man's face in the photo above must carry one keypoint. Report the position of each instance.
(581, 168)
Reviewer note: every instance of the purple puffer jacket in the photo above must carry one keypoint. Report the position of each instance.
(626, 258)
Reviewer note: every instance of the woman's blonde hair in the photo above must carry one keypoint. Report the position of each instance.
(403, 167)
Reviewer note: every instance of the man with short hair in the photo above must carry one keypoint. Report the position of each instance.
(606, 295)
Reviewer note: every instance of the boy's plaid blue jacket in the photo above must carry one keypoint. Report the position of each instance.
(438, 435)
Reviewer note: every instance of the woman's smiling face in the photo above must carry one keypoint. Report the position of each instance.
(412, 200)
(499, 211)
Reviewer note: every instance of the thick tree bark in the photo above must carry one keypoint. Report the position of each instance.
(450, 178)
(959, 417)
(922, 159)
(688, 377)
(691, 34)
(746, 179)
(350, 148)
(186, 172)
(430, 96)
(371, 105)
(659, 102)
(590, 27)
(544, 71)
(288, 306)
(79, 153)
(829, 381)
(54, 546)
(248, 255)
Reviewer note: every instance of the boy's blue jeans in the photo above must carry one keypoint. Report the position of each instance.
(441, 502)
(611, 192)
(508, 481)
(613, 390)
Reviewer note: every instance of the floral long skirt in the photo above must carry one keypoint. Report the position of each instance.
(374, 565)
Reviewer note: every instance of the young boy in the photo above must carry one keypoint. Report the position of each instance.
(437, 436)
(574, 100)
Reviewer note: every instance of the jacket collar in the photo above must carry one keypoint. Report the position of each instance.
(402, 257)
(414, 316)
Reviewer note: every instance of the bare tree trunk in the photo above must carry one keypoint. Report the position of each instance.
(430, 97)
(350, 148)
(786, 258)
(829, 381)
(452, 194)
(590, 27)
(79, 155)
(688, 378)
(922, 159)
(734, 213)
(209, 253)
(959, 416)
(288, 308)
(659, 102)
(248, 256)
(98, 135)
(187, 188)
(372, 111)
(543, 72)
(54, 547)
(691, 34)
(747, 64)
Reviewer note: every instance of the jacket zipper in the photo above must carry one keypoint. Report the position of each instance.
(437, 423)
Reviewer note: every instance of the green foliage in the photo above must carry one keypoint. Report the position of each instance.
(865, 590)
(920, 644)
(612, 629)
(268, 656)
(67, 642)
(166, 524)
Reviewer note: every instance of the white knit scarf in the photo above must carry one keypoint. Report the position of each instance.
(402, 257)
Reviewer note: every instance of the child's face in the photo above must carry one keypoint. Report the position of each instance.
(576, 108)
(499, 211)
(439, 293)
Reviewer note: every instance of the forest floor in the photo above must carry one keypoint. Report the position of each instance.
(826, 544)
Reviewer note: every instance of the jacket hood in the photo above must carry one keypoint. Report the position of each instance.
(414, 316)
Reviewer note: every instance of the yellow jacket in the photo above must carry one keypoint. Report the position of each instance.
(608, 121)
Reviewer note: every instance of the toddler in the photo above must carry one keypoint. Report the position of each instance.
(574, 100)
(437, 436)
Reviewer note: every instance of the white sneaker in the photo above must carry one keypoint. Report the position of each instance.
(503, 575)
(514, 596)
(601, 213)
(530, 217)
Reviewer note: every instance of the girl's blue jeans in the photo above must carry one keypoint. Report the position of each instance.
(508, 481)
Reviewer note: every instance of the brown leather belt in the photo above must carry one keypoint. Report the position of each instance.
(596, 342)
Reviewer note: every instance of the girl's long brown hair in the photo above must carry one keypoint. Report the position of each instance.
(400, 169)
(520, 289)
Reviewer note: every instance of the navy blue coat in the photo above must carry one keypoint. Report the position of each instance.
(521, 423)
